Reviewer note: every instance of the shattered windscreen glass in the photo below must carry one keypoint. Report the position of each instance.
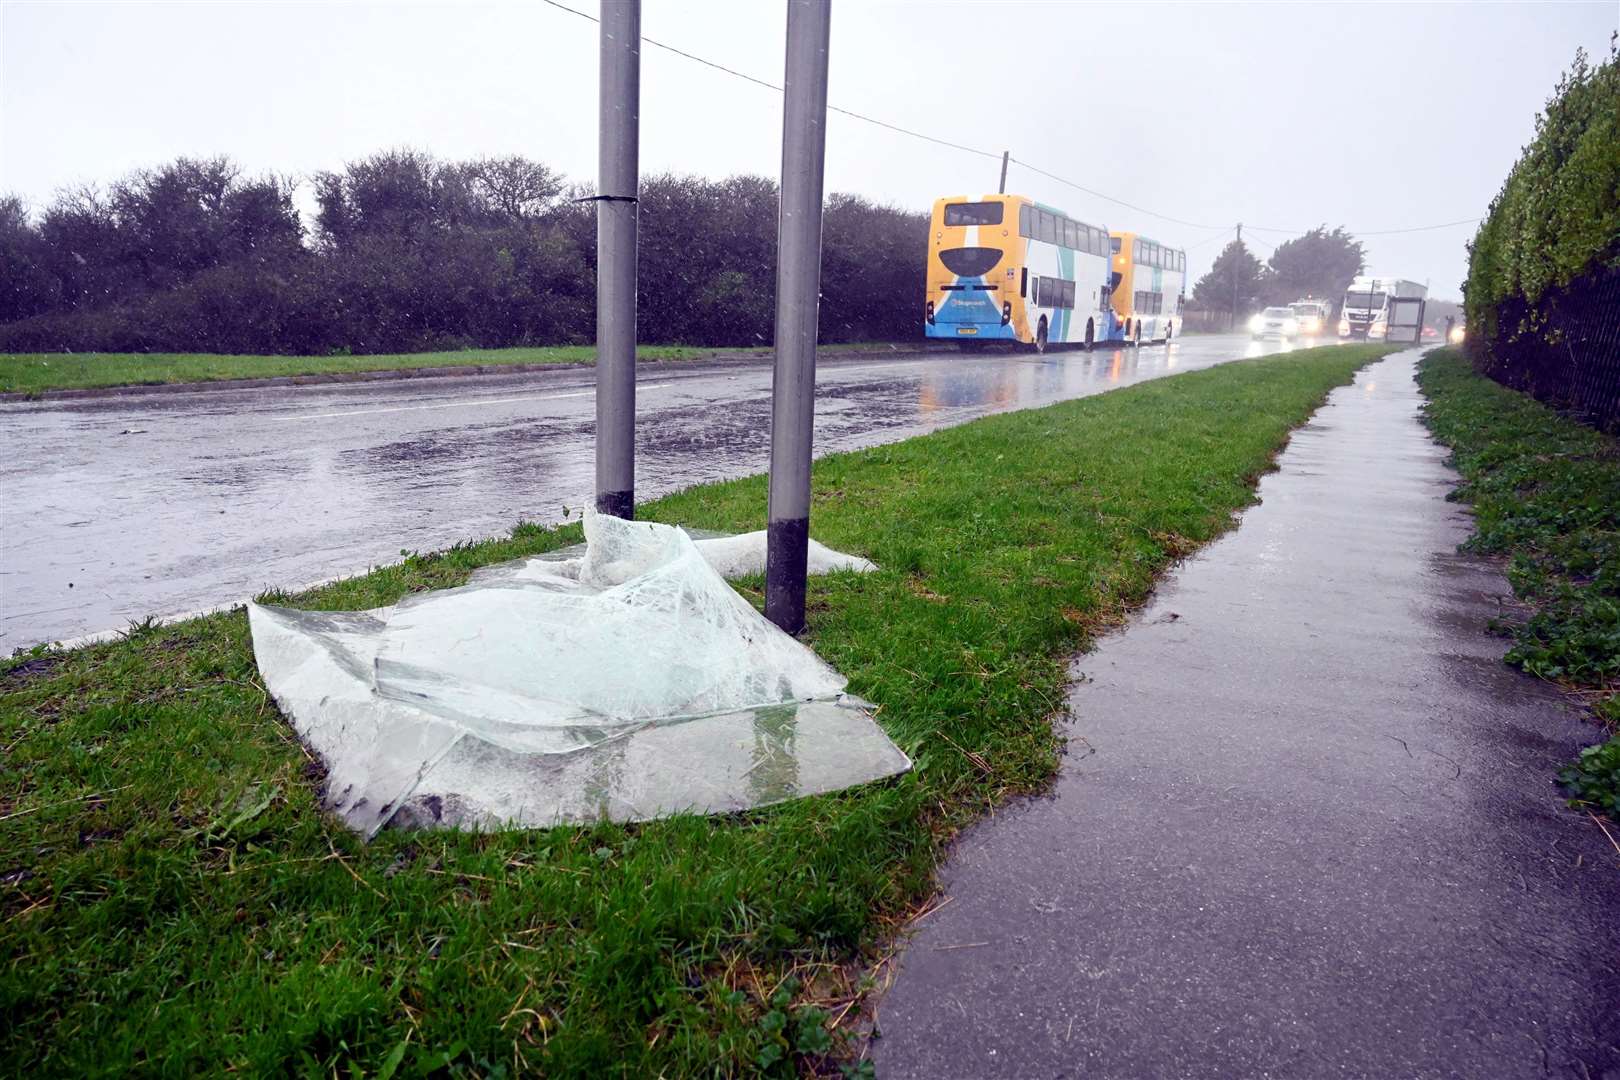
(625, 682)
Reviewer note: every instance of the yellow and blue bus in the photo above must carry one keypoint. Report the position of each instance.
(1150, 283)
(1007, 268)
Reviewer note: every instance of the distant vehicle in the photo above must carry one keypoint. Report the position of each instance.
(1274, 322)
(1367, 304)
(1006, 268)
(1150, 282)
(1313, 315)
(1430, 332)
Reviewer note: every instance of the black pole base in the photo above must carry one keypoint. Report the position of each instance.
(621, 504)
(787, 555)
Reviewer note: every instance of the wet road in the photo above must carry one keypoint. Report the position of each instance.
(1305, 827)
(122, 507)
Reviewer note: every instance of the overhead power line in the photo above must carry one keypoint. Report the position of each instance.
(1419, 228)
(995, 156)
(1268, 250)
(773, 86)
(1121, 202)
(1373, 232)
(1223, 234)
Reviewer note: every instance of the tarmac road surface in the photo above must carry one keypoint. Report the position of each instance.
(120, 507)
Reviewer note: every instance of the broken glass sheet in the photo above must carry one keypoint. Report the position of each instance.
(623, 681)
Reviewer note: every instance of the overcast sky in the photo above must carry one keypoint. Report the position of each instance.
(1374, 116)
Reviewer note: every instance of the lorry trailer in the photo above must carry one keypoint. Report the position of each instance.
(1371, 303)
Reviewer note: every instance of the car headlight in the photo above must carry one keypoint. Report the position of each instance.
(1456, 335)
(1257, 324)
(1291, 326)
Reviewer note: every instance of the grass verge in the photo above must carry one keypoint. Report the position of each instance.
(34, 373)
(1546, 495)
(173, 900)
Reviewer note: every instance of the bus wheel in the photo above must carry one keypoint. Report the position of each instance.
(1040, 335)
(1169, 328)
(1091, 331)
(1136, 337)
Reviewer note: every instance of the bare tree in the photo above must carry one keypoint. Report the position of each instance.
(515, 187)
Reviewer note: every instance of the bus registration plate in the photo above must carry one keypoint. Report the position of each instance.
(967, 329)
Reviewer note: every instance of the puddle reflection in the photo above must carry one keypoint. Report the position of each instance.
(1269, 346)
(1015, 381)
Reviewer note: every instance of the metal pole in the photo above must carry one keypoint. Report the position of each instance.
(798, 285)
(1005, 154)
(619, 105)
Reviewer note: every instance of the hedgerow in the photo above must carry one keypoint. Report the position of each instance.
(1544, 267)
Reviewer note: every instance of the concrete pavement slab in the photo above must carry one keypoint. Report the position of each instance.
(1306, 826)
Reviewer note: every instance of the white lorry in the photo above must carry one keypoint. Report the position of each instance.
(1313, 314)
(1383, 308)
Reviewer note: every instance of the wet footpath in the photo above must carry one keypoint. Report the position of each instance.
(1306, 825)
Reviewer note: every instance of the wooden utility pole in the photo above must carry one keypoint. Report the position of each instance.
(1235, 256)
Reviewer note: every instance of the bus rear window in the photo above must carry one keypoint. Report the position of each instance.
(973, 213)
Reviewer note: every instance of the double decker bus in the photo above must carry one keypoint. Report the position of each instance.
(1006, 268)
(1149, 288)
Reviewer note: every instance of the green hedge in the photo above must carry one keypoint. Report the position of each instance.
(1545, 260)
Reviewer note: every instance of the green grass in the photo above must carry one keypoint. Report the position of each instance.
(32, 373)
(1546, 496)
(173, 900)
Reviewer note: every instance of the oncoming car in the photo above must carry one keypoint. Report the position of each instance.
(1312, 315)
(1274, 322)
